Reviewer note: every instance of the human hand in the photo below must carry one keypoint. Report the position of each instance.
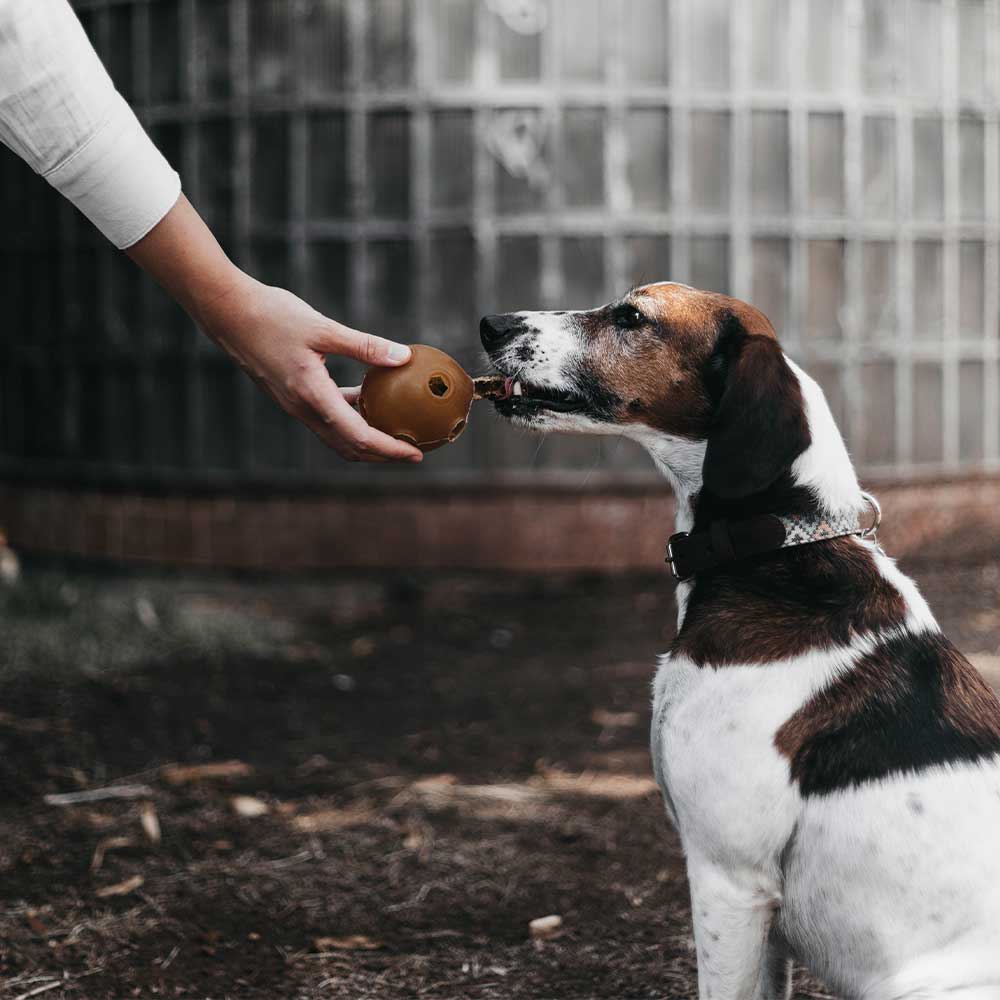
(275, 337)
(281, 343)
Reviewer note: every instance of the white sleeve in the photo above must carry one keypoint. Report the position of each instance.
(60, 112)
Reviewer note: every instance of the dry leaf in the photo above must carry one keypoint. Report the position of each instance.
(150, 822)
(415, 840)
(182, 774)
(106, 844)
(362, 646)
(24, 725)
(544, 928)
(602, 785)
(327, 820)
(614, 720)
(121, 888)
(352, 942)
(434, 781)
(248, 806)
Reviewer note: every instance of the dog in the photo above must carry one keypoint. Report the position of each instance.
(830, 761)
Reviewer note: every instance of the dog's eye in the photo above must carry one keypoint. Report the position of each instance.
(628, 318)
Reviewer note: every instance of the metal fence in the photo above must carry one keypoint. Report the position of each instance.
(410, 164)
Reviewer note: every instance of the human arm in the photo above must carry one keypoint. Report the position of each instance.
(60, 112)
(273, 335)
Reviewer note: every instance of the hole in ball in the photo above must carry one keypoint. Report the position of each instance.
(438, 384)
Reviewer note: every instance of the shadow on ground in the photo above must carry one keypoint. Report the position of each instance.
(417, 768)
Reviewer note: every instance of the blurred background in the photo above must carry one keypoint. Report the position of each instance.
(408, 166)
(368, 778)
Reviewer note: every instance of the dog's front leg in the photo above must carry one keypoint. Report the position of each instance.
(739, 955)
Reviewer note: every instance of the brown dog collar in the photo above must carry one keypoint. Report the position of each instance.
(725, 541)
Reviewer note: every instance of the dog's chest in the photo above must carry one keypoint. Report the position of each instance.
(714, 755)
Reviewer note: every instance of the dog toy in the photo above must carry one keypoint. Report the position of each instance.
(425, 402)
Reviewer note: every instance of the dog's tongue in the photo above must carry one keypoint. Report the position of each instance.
(493, 387)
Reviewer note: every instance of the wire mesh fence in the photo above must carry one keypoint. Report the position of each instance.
(408, 165)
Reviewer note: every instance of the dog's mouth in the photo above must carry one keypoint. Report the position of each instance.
(521, 399)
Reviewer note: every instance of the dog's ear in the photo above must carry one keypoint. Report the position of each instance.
(759, 426)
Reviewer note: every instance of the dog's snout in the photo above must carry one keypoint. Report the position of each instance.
(494, 330)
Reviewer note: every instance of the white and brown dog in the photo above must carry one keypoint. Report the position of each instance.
(829, 758)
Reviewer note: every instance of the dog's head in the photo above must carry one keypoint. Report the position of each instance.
(681, 370)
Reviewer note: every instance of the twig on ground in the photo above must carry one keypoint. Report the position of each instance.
(19, 724)
(182, 774)
(121, 888)
(108, 844)
(150, 822)
(99, 795)
(39, 989)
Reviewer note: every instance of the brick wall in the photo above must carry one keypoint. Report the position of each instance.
(511, 529)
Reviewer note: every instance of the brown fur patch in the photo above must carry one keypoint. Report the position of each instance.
(914, 702)
(759, 426)
(783, 604)
(657, 372)
(682, 306)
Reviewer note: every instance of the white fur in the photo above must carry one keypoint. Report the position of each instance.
(890, 890)
(557, 342)
(824, 467)
(885, 899)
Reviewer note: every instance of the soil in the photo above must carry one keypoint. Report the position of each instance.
(415, 768)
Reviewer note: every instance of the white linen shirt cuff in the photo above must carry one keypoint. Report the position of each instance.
(118, 178)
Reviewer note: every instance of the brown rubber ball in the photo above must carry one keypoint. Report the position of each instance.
(425, 402)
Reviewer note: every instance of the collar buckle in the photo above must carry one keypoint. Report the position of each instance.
(872, 530)
(671, 559)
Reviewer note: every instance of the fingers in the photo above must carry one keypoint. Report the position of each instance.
(364, 347)
(351, 393)
(341, 427)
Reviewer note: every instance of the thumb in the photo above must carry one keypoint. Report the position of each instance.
(335, 338)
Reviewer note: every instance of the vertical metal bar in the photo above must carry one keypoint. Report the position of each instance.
(242, 207)
(991, 287)
(194, 446)
(680, 142)
(420, 163)
(357, 172)
(952, 343)
(740, 242)
(853, 210)
(798, 172)
(111, 424)
(143, 339)
(904, 267)
(298, 186)
(483, 199)
(554, 114)
(617, 196)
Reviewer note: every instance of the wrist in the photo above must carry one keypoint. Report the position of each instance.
(185, 258)
(225, 304)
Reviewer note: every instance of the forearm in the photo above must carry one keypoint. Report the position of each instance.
(181, 253)
(60, 112)
(278, 339)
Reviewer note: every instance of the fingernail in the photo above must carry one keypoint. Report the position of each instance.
(399, 352)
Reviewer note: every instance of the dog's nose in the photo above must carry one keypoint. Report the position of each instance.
(494, 330)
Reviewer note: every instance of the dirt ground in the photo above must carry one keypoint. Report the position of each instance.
(412, 770)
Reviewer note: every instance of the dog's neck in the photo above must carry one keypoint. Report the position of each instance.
(821, 480)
